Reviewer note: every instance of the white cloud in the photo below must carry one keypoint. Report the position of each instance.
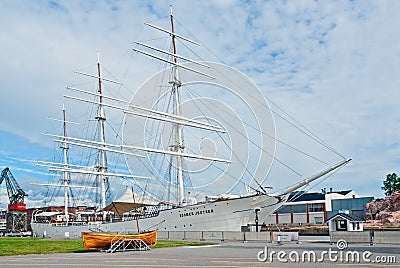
(333, 65)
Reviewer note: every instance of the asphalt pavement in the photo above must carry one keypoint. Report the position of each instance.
(225, 254)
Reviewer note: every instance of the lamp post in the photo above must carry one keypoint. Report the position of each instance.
(256, 220)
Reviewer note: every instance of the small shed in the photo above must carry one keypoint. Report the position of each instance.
(345, 222)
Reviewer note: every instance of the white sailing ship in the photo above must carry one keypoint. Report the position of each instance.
(162, 197)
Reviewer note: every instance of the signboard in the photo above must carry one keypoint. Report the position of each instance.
(285, 236)
(16, 207)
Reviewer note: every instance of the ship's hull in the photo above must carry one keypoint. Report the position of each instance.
(224, 215)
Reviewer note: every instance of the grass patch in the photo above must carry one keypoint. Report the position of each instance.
(24, 245)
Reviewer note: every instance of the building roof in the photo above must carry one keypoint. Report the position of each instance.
(300, 196)
(350, 217)
(339, 192)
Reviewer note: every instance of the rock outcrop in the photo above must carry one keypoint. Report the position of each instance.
(384, 212)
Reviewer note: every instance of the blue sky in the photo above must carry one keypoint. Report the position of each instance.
(333, 65)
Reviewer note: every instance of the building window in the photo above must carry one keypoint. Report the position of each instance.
(356, 226)
(319, 220)
(287, 209)
(316, 207)
(341, 225)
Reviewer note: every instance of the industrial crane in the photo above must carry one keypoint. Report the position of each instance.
(16, 214)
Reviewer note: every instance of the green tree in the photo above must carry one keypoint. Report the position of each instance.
(391, 184)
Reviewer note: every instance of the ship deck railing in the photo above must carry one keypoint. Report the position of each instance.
(141, 216)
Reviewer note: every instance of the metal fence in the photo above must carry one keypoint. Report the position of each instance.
(365, 237)
(214, 236)
(371, 237)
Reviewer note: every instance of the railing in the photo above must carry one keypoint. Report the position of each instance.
(367, 236)
(214, 236)
(142, 216)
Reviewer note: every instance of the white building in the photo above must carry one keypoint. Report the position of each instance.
(3, 223)
(345, 221)
(315, 208)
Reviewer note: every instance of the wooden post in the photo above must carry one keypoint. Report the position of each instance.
(291, 217)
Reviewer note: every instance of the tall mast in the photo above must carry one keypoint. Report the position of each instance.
(65, 173)
(178, 146)
(101, 118)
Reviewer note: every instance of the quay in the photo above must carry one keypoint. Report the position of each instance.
(223, 254)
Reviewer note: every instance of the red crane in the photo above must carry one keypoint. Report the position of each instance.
(16, 215)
